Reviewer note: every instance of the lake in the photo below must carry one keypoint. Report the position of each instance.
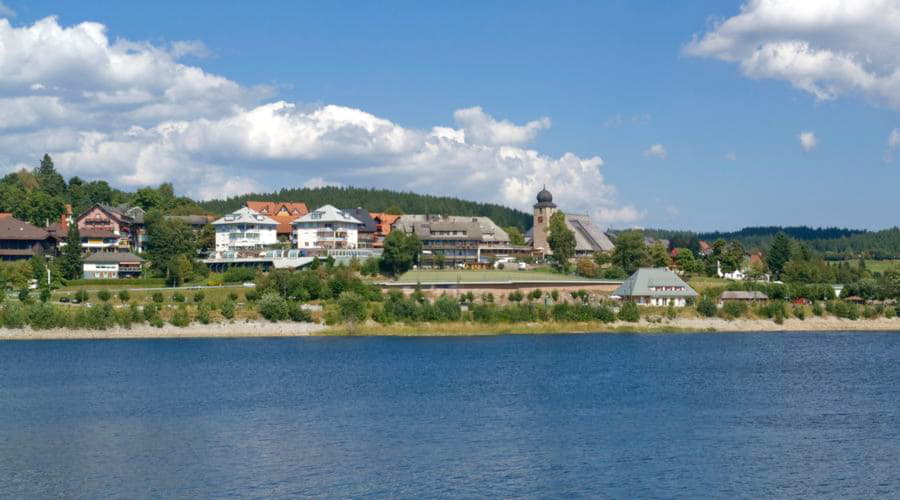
(620, 415)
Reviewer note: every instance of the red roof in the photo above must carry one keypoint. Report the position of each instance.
(283, 212)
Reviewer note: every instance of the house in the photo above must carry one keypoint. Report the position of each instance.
(742, 296)
(282, 212)
(326, 227)
(245, 229)
(106, 228)
(705, 249)
(589, 239)
(655, 286)
(367, 227)
(21, 240)
(383, 224)
(197, 222)
(459, 240)
(112, 265)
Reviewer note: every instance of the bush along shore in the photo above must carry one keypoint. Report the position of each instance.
(334, 299)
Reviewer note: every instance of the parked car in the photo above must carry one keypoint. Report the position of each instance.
(249, 284)
(64, 300)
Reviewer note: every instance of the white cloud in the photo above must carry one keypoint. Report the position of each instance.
(626, 215)
(656, 151)
(5, 11)
(894, 138)
(824, 47)
(132, 113)
(808, 140)
(317, 182)
(731, 156)
(481, 128)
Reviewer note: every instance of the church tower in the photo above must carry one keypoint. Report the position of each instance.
(543, 209)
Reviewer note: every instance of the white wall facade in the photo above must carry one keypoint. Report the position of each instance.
(105, 270)
(242, 236)
(326, 235)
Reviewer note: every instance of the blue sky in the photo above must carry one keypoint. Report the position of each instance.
(613, 79)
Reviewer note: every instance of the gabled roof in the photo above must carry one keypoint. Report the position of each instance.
(588, 237)
(112, 257)
(245, 215)
(328, 213)
(640, 283)
(367, 223)
(436, 227)
(283, 212)
(15, 229)
(742, 295)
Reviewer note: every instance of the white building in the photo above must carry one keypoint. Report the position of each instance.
(245, 229)
(655, 287)
(112, 265)
(326, 227)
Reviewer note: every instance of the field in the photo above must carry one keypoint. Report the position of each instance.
(452, 275)
(880, 266)
(700, 283)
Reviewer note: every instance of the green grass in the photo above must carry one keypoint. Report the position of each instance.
(700, 283)
(879, 266)
(451, 275)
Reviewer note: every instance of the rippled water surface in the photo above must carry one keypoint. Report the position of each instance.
(696, 415)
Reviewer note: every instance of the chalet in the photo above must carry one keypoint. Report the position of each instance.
(327, 227)
(111, 229)
(21, 240)
(282, 212)
(245, 229)
(655, 287)
(383, 224)
(112, 265)
(460, 240)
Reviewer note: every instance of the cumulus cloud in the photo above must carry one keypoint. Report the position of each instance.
(317, 182)
(6, 11)
(481, 128)
(656, 151)
(824, 47)
(808, 140)
(135, 114)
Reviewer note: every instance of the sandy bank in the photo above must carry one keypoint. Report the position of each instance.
(224, 330)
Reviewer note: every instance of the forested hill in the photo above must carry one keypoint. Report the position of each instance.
(380, 200)
(830, 242)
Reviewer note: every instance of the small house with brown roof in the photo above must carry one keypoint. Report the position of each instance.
(383, 224)
(21, 240)
(282, 212)
(106, 228)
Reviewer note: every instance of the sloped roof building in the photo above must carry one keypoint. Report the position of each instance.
(655, 286)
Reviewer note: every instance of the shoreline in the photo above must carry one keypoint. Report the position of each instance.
(252, 329)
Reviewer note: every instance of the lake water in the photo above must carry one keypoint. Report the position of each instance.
(692, 415)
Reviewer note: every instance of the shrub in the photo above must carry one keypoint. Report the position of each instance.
(817, 309)
(82, 296)
(180, 318)
(890, 312)
(536, 294)
(447, 308)
(629, 312)
(800, 312)
(156, 321)
(273, 307)
(178, 297)
(733, 309)
(124, 296)
(671, 312)
(297, 313)
(150, 310)
(239, 274)
(25, 295)
(554, 294)
(870, 313)
(215, 280)
(14, 315)
(852, 312)
(45, 295)
(104, 295)
(352, 307)
(706, 307)
(515, 296)
(227, 309)
(158, 297)
(199, 296)
(203, 313)
(135, 311)
(43, 316)
(251, 295)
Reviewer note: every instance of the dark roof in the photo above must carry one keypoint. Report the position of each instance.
(193, 220)
(15, 229)
(544, 199)
(117, 257)
(368, 223)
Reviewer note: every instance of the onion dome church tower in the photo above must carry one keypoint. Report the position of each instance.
(543, 209)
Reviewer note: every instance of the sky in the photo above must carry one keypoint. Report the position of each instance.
(702, 115)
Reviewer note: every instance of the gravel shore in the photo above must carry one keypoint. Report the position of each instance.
(197, 330)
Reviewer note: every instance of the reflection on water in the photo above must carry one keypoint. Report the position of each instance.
(612, 415)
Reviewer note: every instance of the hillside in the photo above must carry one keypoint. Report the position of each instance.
(380, 200)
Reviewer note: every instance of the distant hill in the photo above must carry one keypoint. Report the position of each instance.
(379, 200)
(831, 242)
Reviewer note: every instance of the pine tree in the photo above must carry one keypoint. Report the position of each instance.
(72, 262)
(779, 254)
